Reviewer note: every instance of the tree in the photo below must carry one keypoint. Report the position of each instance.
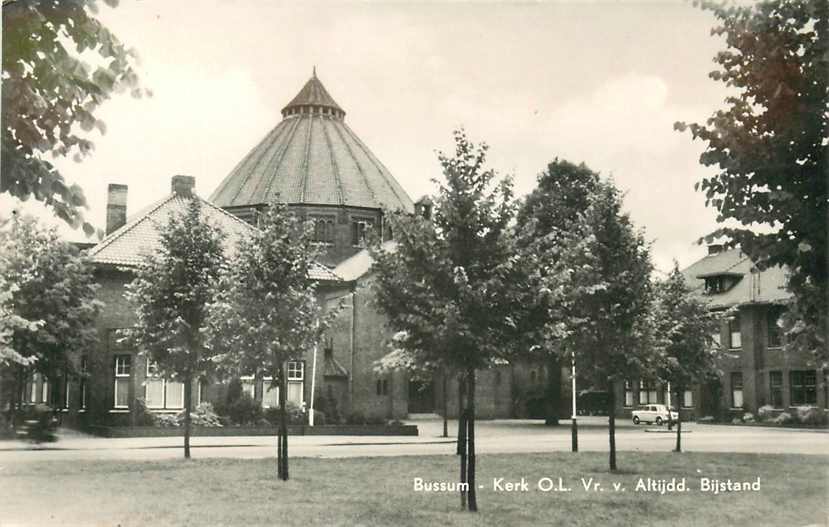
(452, 280)
(602, 272)
(47, 294)
(171, 292)
(544, 217)
(266, 310)
(770, 150)
(685, 328)
(49, 91)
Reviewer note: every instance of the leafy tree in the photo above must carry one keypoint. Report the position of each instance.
(451, 281)
(685, 328)
(601, 272)
(266, 311)
(171, 292)
(50, 91)
(770, 149)
(544, 217)
(47, 294)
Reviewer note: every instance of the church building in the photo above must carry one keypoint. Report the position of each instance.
(313, 161)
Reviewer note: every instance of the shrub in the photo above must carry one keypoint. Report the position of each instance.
(748, 417)
(706, 419)
(783, 419)
(243, 411)
(40, 424)
(736, 421)
(296, 414)
(356, 418)
(143, 417)
(810, 415)
(167, 420)
(375, 420)
(204, 415)
(765, 413)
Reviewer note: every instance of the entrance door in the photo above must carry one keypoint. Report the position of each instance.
(421, 397)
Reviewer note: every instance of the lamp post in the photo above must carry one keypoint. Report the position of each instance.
(573, 420)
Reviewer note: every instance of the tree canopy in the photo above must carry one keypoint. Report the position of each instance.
(266, 310)
(450, 284)
(51, 94)
(171, 293)
(769, 147)
(544, 218)
(601, 274)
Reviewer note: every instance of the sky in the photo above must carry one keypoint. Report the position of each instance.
(595, 82)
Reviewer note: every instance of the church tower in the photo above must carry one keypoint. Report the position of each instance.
(317, 165)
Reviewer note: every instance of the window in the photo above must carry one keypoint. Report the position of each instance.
(270, 393)
(803, 387)
(773, 317)
(248, 385)
(382, 387)
(737, 389)
(734, 335)
(688, 399)
(160, 393)
(359, 231)
(323, 228)
(714, 285)
(123, 367)
(776, 389)
(647, 392)
(716, 338)
(296, 381)
(628, 393)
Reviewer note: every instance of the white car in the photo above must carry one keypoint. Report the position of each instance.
(653, 413)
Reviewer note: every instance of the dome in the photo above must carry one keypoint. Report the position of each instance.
(312, 157)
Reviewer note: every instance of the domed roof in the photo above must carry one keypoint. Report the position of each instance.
(312, 157)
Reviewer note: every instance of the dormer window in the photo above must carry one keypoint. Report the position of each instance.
(717, 283)
(714, 285)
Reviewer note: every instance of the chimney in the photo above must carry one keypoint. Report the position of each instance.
(116, 207)
(423, 207)
(715, 248)
(183, 185)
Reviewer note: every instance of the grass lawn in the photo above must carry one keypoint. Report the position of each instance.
(379, 491)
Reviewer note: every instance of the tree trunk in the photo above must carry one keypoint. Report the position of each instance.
(553, 391)
(446, 403)
(462, 439)
(611, 421)
(470, 458)
(283, 420)
(188, 397)
(678, 422)
(461, 418)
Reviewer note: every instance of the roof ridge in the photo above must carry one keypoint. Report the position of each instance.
(359, 166)
(259, 157)
(140, 217)
(371, 156)
(276, 153)
(281, 157)
(334, 164)
(305, 157)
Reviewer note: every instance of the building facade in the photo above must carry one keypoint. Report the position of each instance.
(754, 369)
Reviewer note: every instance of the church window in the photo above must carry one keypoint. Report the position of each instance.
(323, 228)
(359, 231)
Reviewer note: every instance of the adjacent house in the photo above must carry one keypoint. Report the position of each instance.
(754, 369)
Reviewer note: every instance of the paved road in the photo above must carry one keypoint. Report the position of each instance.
(499, 436)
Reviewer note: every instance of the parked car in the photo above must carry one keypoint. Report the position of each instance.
(653, 413)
